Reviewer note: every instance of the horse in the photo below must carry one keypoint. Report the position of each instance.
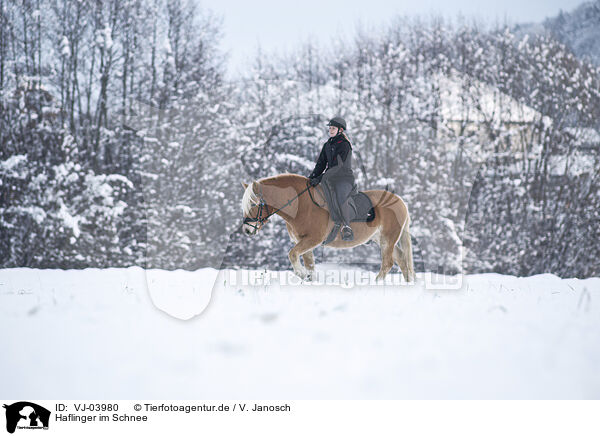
(308, 223)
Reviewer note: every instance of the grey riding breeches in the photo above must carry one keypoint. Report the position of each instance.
(340, 209)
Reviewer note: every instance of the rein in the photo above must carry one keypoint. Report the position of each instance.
(313, 198)
(260, 220)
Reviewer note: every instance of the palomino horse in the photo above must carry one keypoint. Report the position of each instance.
(308, 224)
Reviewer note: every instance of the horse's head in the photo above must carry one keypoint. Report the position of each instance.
(254, 208)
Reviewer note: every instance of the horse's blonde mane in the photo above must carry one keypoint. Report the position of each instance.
(249, 199)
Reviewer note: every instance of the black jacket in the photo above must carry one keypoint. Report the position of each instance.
(335, 148)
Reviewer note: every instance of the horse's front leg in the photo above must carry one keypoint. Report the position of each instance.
(309, 263)
(303, 247)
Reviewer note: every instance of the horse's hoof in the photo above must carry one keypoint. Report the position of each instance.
(302, 274)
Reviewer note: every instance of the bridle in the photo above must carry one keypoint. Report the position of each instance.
(260, 220)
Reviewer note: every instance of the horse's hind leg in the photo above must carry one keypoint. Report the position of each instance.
(387, 261)
(403, 255)
(399, 259)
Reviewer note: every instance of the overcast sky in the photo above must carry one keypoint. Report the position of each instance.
(277, 25)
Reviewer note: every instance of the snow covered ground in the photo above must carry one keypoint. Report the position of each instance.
(96, 334)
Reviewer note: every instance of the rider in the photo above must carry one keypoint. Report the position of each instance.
(336, 156)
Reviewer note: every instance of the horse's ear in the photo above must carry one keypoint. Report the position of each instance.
(245, 185)
(254, 186)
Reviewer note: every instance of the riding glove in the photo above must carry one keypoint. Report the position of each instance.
(314, 181)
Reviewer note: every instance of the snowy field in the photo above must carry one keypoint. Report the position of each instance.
(97, 334)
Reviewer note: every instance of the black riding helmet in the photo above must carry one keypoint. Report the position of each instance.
(337, 122)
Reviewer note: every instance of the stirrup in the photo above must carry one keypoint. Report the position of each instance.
(347, 233)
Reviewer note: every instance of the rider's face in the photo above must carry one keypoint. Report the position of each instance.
(333, 131)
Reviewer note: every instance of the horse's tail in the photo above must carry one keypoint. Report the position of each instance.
(406, 254)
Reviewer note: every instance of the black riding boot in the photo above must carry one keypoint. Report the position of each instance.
(342, 193)
(347, 233)
(339, 192)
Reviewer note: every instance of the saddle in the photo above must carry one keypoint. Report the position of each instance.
(361, 207)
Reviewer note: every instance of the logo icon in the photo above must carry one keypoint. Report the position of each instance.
(26, 415)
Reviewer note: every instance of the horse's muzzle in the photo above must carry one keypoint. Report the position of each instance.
(251, 231)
